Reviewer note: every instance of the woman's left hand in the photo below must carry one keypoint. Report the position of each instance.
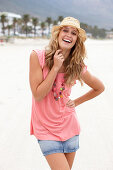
(70, 103)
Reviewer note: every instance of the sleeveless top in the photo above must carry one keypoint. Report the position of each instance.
(51, 119)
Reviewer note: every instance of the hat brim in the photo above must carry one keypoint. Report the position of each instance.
(81, 31)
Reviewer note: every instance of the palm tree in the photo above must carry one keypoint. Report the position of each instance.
(14, 25)
(3, 20)
(95, 31)
(55, 22)
(35, 23)
(26, 19)
(49, 21)
(19, 25)
(60, 18)
(9, 27)
(42, 26)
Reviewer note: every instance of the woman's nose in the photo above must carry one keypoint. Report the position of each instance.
(69, 34)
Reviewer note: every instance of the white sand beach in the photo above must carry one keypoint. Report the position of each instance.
(19, 150)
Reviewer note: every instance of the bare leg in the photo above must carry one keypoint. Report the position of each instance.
(70, 158)
(57, 161)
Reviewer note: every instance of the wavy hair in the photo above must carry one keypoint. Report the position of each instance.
(73, 64)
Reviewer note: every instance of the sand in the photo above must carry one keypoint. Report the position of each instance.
(19, 150)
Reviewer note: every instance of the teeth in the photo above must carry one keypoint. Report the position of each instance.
(67, 40)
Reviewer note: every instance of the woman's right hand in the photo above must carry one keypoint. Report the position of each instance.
(40, 87)
(58, 59)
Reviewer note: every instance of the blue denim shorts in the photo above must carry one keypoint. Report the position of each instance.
(51, 146)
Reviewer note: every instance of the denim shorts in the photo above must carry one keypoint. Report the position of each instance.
(51, 146)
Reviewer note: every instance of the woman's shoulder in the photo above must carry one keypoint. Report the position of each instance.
(39, 51)
(40, 54)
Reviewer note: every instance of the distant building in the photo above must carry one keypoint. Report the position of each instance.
(10, 17)
(109, 34)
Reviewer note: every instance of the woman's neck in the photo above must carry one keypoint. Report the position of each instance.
(65, 53)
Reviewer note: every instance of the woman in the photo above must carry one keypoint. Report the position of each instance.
(52, 74)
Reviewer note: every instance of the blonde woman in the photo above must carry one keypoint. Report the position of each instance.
(53, 72)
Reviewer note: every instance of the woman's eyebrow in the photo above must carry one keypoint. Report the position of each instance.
(68, 28)
(65, 28)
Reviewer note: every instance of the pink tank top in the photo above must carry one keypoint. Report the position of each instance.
(51, 119)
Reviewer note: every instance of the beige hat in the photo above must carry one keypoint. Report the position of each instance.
(70, 21)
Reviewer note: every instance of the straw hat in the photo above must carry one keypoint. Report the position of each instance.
(70, 21)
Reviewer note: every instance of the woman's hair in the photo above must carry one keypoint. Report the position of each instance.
(73, 65)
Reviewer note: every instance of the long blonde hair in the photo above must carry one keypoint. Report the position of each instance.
(73, 65)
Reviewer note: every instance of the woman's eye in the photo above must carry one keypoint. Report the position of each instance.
(65, 30)
(74, 33)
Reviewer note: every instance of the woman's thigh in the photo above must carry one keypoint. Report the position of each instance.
(57, 161)
(70, 158)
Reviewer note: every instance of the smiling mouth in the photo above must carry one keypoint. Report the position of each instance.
(68, 41)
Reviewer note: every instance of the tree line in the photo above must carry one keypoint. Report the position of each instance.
(28, 25)
(94, 31)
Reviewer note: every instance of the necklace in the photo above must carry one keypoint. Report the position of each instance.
(58, 95)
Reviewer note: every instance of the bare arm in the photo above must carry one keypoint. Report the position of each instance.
(39, 87)
(96, 85)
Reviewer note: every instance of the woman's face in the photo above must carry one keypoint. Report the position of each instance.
(67, 37)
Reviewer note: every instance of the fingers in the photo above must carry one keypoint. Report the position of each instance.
(59, 55)
(58, 51)
(58, 59)
(70, 103)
